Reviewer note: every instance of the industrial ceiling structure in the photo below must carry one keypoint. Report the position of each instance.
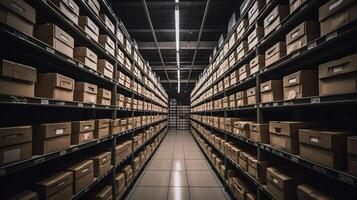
(152, 24)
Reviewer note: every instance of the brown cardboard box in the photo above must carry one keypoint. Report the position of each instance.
(225, 102)
(105, 68)
(56, 38)
(307, 192)
(86, 56)
(242, 27)
(259, 132)
(227, 82)
(104, 96)
(232, 59)
(136, 164)
(119, 183)
(294, 4)
(102, 163)
(128, 46)
(284, 134)
(255, 36)
(244, 72)
(232, 101)
(271, 91)
(275, 53)
(241, 98)
(25, 195)
(229, 122)
(121, 57)
(250, 196)
(17, 79)
(300, 84)
(281, 184)
(257, 169)
(121, 78)
(128, 171)
(85, 92)
(18, 14)
(251, 99)
(107, 22)
(234, 76)
(327, 148)
(51, 137)
(101, 128)
(82, 131)
(58, 186)
(243, 160)
(238, 188)
(114, 126)
(242, 49)
(94, 5)
(232, 40)
(16, 144)
(257, 63)
(68, 8)
(336, 14)
(104, 194)
(107, 43)
(275, 17)
(352, 155)
(302, 35)
(235, 151)
(123, 125)
(55, 86)
(83, 175)
(338, 76)
(89, 27)
(120, 36)
(255, 10)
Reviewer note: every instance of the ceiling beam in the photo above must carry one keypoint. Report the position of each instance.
(172, 45)
(168, 30)
(182, 81)
(174, 67)
(161, 4)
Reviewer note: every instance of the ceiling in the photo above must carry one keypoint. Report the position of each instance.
(133, 15)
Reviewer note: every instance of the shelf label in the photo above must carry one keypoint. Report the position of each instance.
(312, 45)
(98, 141)
(75, 149)
(93, 105)
(346, 179)
(40, 160)
(80, 65)
(319, 169)
(295, 54)
(331, 36)
(71, 60)
(80, 105)
(288, 103)
(315, 100)
(294, 159)
(44, 101)
(60, 103)
(49, 49)
(63, 153)
(275, 104)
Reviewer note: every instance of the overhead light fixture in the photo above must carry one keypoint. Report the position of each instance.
(177, 36)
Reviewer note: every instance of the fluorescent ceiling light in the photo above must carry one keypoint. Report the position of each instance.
(177, 35)
(178, 80)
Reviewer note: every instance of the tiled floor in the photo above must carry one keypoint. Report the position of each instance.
(178, 171)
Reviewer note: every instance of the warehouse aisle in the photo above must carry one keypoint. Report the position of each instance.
(178, 171)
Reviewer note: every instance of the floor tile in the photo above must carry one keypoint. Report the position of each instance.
(179, 193)
(193, 155)
(211, 193)
(178, 165)
(178, 178)
(179, 155)
(163, 156)
(157, 193)
(160, 165)
(201, 178)
(155, 178)
(196, 165)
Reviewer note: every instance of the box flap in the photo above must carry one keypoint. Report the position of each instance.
(277, 178)
(101, 123)
(84, 20)
(105, 39)
(63, 82)
(102, 63)
(259, 59)
(251, 92)
(21, 8)
(103, 93)
(18, 71)
(85, 52)
(51, 130)
(55, 183)
(51, 30)
(82, 169)
(82, 126)
(337, 67)
(274, 50)
(86, 87)
(333, 6)
(15, 135)
(334, 140)
(271, 17)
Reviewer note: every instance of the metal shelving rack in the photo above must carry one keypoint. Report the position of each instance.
(33, 51)
(308, 57)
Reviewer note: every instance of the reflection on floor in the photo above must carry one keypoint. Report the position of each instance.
(178, 171)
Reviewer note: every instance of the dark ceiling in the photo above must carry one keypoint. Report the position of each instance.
(133, 15)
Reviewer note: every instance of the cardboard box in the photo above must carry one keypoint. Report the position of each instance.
(257, 169)
(82, 131)
(352, 155)
(271, 91)
(327, 148)
(302, 35)
(307, 192)
(86, 56)
(105, 193)
(284, 134)
(242, 49)
(83, 175)
(257, 63)
(51, 137)
(120, 57)
(104, 96)
(25, 195)
(244, 72)
(232, 59)
(108, 23)
(275, 17)
(128, 171)
(251, 99)
(250, 196)
(243, 160)
(58, 186)
(119, 183)
(300, 84)
(120, 36)
(101, 128)
(275, 53)
(105, 68)
(19, 15)
(241, 98)
(89, 27)
(68, 8)
(107, 43)
(259, 132)
(17, 79)
(235, 151)
(16, 144)
(234, 76)
(338, 76)
(56, 38)
(255, 36)
(94, 6)
(85, 92)
(114, 126)
(232, 101)
(336, 14)
(295, 4)
(55, 86)
(281, 184)
(232, 40)
(227, 82)
(128, 46)
(102, 163)
(242, 27)
(255, 10)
